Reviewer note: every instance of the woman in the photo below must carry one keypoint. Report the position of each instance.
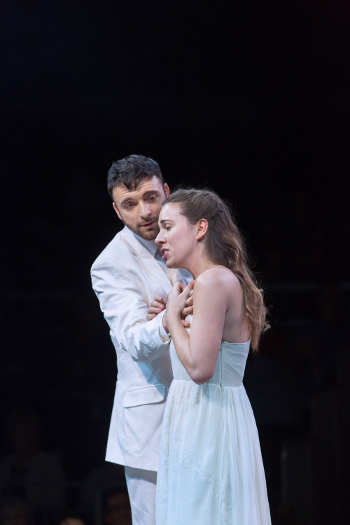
(210, 467)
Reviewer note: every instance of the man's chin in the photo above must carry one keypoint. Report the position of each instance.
(148, 234)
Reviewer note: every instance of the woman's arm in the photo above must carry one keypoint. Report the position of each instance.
(199, 352)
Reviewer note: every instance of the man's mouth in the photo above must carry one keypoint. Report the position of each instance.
(148, 224)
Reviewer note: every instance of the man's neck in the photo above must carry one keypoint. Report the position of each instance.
(150, 245)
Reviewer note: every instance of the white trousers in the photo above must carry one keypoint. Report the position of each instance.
(142, 494)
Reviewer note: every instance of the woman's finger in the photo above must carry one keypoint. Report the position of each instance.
(188, 310)
(189, 300)
(186, 291)
(178, 288)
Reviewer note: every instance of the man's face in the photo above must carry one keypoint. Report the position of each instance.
(139, 209)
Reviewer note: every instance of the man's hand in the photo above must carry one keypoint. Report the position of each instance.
(156, 306)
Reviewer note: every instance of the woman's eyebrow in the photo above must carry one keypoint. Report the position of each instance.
(165, 220)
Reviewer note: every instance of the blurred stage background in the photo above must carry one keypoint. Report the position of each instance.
(250, 98)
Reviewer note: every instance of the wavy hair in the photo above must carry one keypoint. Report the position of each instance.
(225, 245)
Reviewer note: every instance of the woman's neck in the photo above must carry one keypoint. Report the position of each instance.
(200, 264)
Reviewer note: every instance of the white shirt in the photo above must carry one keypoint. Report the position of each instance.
(150, 245)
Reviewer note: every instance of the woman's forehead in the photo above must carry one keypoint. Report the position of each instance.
(169, 211)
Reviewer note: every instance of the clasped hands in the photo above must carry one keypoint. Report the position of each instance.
(159, 304)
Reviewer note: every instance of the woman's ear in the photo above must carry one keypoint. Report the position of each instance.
(201, 229)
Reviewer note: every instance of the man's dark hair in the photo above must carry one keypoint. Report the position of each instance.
(131, 171)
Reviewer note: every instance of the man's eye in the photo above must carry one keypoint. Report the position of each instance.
(128, 206)
(152, 198)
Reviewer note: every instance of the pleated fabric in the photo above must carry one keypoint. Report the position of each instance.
(210, 467)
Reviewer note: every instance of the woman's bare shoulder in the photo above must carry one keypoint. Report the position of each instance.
(218, 276)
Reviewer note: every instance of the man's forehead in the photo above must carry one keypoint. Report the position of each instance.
(153, 184)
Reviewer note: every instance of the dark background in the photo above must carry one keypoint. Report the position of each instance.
(250, 98)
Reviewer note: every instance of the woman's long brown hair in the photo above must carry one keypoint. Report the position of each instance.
(225, 245)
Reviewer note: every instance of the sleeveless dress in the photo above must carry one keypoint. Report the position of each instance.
(210, 466)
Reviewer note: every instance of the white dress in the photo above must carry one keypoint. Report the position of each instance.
(210, 466)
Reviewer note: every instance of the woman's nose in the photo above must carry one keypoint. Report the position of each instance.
(159, 239)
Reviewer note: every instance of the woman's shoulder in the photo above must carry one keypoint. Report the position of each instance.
(219, 276)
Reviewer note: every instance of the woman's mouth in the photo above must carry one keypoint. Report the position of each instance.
(164, 253)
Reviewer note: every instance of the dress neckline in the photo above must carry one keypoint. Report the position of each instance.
(227, 343)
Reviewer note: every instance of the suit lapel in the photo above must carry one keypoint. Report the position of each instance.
(146, 260)
(175, 275)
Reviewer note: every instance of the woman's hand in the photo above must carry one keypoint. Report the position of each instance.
(179, 303)
(159, 304)
(188, 308)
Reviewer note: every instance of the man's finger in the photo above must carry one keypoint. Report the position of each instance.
(157, 304)
(154, 310)
(149, 317)
(185, 323)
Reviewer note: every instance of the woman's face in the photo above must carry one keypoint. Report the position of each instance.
(176, 238)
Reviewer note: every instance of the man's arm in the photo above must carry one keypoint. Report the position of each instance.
(123, 305)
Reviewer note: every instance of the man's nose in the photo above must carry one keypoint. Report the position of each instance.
(145, 210)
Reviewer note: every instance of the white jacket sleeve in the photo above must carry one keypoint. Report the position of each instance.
(123, 305)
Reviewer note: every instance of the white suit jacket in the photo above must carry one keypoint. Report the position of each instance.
(126, 277)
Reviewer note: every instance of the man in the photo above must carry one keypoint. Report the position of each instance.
(126, 277)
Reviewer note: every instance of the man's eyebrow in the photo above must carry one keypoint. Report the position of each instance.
(124, 201)
(149, 192)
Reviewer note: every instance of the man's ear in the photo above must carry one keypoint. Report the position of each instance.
(117, 211)
(201, 229)
(166, 190)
